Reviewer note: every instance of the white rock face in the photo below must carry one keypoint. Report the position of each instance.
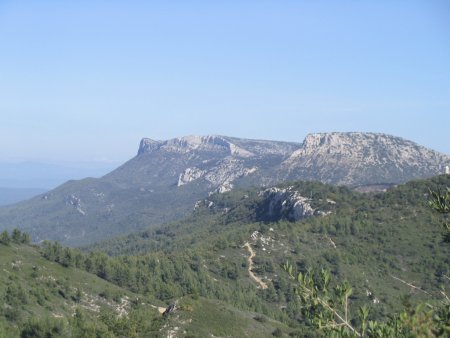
(225, 187)
(189, 175)
(227, 170)
(75, 201)
(287, 202)
(148, 145)
(352, 158)
(220, 176)
(191, 143)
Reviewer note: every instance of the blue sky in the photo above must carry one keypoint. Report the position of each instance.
(85, 80)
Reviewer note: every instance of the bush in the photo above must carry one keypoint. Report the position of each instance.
(260, 319)
(43, 328)
(277, 333)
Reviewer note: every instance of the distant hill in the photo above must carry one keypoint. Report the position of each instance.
(166, 178)
(47, 175)
(14, 195)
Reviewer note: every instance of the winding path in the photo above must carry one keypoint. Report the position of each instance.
(250, 266)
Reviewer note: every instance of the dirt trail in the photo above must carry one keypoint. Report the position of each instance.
(250, 266)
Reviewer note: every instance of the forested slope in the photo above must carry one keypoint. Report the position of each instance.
(388, 246)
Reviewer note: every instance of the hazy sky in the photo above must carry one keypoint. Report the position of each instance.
(86, 80)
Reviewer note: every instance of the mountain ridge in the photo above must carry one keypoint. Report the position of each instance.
(166, 178)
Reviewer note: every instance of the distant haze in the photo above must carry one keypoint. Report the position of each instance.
(13, 195)
(45, 176)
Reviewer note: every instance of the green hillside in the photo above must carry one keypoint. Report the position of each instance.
(200, 317)
(378, 242)
(41, 298)
(221, 267)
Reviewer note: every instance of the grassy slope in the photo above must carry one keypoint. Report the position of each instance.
(202, 317)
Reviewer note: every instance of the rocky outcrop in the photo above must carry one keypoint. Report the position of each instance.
(227, 171)
(189, 175)
(220, 176)
(188, 144)
(75, 202)
(355, 159)
(148, 145)
(286, 203)
(352, 159)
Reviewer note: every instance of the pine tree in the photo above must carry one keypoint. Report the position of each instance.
(4, 238)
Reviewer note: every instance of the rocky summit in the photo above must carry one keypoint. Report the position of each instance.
(356, 159)
(166, 178)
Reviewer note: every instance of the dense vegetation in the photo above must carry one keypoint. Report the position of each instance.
(381, 243)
